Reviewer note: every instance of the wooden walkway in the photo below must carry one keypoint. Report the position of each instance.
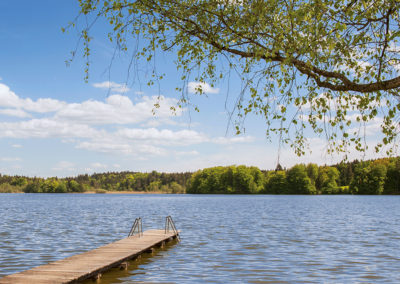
(92, 263)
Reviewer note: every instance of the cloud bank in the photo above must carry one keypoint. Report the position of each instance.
(115, 125)
(112, 87)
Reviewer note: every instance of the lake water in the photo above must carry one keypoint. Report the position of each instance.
(225, 239)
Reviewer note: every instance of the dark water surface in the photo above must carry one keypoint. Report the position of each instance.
(225, 239)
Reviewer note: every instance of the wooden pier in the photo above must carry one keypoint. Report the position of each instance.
(93, 263)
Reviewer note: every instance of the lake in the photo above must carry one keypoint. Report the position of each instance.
(235, 239)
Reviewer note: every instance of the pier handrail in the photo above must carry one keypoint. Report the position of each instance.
(137, 226)
(170, 223)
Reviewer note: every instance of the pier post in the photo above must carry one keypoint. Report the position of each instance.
(123, 265)
(96, 277)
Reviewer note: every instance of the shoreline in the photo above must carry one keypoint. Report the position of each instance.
(94, 192)
(122, 192)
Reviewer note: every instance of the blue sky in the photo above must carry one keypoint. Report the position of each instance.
(52, 123)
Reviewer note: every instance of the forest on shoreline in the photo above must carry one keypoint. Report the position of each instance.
(381, 176)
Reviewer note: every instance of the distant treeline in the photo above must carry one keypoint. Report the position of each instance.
(381, 176)
(123, 181)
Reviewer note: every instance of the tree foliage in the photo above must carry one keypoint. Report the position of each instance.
(233, 179)
(326, 65)
(380, 176)
(276, 183)
(392, 184)
(298, 181)
(327, 179)
(369, 178)
(123, 181)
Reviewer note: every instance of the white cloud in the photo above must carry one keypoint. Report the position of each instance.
(92, 125)
(232, 140)
(132, 141)
(16, 145)
(163, 137)
(152, 150)
(121, 147)
(200, 87)
(10, 159)
(112, 86)
(64, 166)
(118, 110)
(9, 99)
(45, 128)
(187, 153)
(105, 146)
(98, 166)
(43, 105)
(15, 112)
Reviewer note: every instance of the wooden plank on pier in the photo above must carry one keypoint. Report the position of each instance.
(92, 263)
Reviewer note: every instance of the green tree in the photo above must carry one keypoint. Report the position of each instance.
(233, 179)
(342, 54)
(258, 178)
(243, 181)
(50, 185)
(74, 186)
(276, 183)
(312, 172)
(392, 184)
(194, 184)
(327, 180)
(8, 188)
(213, 180)
(227, 178)
(346, 173)
(175, 187)
(369, 179)
(19, 181)
(377, 178)
(34, 187)
(298, 182)
(204, 181)
(154, 186)
(61, 188)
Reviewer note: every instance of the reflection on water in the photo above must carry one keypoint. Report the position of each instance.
(253, 239)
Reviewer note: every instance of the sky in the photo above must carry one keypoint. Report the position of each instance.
(53, 123)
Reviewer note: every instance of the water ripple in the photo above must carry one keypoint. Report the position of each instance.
(235, 239)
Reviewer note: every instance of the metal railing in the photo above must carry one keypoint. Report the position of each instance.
(169, 223)
(137, 226)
